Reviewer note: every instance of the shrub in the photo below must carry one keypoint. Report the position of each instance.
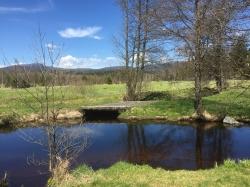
(9, 120)
(109, 80)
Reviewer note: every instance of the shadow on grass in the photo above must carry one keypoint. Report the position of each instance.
(182, 93)
(159, 95)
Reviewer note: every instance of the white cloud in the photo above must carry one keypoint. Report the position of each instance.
(97, 37)
(20, 10)
(70, 61)
(34, 9)
(81, 32)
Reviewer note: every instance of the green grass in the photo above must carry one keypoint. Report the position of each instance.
(178, 102)
(19, 101)
(234, 101)
(124, 174)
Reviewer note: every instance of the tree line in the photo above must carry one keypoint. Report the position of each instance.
(235, 66)
(233, 63)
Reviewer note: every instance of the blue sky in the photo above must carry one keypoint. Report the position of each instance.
(84, 27)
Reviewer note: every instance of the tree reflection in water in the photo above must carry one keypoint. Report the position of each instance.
(63, 145)
(137, 145)
(212, 146)
(176, 147)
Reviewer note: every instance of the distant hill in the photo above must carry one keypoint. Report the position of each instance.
(78, 76)
(38, 67)
(28, 67)
(101, 70)
(152, 68)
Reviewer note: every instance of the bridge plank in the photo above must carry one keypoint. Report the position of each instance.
(116, 106)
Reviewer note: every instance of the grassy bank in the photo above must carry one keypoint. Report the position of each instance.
(176, 99)
(21, 102)
(124, 174)
(179, 101)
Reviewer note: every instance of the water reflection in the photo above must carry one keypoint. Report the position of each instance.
(173, 147)
(212, 146)
(61, 144)
(168, 146)
(137, 145)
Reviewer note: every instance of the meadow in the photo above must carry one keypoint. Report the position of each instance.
(172, 99)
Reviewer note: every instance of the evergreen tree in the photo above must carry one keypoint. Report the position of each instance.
(239, 57)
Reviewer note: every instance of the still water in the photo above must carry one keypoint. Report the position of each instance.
(168, 146)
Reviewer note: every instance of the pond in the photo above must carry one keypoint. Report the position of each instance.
(168, 146)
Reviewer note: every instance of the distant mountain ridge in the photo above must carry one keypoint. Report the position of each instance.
(38, 67)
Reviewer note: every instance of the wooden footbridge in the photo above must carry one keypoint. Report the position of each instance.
(109, 111)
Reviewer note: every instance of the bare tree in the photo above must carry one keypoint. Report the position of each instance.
(196, 25)
(62, 144)
(183, 22)
(137, 44)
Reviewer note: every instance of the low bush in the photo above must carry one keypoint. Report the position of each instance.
(9, 120)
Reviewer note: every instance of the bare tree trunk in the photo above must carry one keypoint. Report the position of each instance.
(138, 45)
(144, 43)
(219, 76)
(198, 60)
(126, 17)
